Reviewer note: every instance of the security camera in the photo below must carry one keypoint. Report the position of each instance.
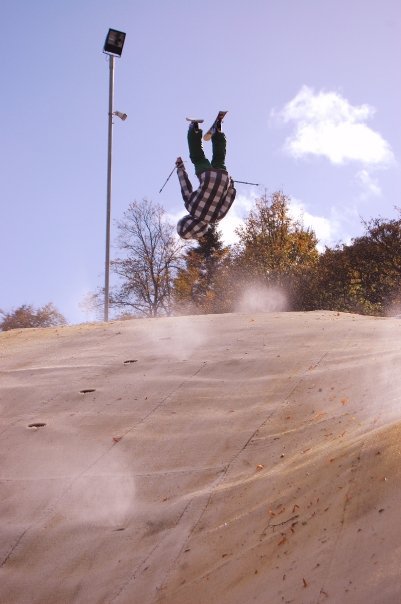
(122, 116)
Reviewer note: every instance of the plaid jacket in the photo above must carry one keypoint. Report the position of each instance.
(213, 198)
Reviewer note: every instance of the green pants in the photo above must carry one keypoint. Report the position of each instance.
(197, 154)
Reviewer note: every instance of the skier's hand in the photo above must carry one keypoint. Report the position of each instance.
(179, 163)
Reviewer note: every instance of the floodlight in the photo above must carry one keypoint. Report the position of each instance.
(113, 46)
(114, 42)
(122, 116)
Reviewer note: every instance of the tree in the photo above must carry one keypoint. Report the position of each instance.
(365, 276)
(152, 255)
(377, 258)
(198, 287)
(336, 285)
(27, 316)
(276, 250)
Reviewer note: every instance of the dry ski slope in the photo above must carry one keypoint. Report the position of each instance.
(221, 459)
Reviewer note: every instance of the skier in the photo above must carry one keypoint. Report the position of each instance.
(211, 201)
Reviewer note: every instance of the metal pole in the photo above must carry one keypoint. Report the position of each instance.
(108, 214)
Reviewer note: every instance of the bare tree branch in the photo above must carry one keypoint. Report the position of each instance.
(152, 256)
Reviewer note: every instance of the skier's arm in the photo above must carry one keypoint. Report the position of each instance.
(232, 192)
(185, 183)
(228, 200)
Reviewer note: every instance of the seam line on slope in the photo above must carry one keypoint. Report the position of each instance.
(228, 466)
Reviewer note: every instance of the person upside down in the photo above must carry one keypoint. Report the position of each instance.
(210, 202)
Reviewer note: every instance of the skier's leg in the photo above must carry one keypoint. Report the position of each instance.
(196, 152)
(219, 150)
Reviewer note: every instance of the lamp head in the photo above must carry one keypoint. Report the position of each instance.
(122, 116)
(114, 42)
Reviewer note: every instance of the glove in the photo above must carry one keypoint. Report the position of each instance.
(179, 163)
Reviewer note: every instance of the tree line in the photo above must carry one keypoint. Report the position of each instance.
(160, 275)
(157, 274)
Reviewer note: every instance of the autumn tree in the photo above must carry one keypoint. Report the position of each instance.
(334, 285)
(376, 257)
(151, 257)
(364, 276)
(199, 285)
(27, 316)
(275, 249)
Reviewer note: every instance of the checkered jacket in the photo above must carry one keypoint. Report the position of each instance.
(209, 203)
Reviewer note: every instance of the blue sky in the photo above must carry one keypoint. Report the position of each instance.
(313, 89)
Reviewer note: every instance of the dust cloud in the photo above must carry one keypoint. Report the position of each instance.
(259, 298)
(177, 339)
(105, 500)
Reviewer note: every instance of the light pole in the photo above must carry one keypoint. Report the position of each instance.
(113, 46)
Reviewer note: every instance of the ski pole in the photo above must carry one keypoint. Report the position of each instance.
(168, 178)
(243, 182)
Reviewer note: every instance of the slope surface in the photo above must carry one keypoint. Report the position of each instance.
(228, 458)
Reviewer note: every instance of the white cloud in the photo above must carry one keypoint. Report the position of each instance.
(370, 186)
(327, 230)
(327, 125)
